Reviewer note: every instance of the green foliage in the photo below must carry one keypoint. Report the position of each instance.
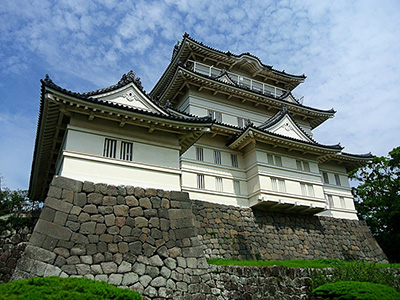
(317, 263)
(377, 200)
(12, 205)
(353, 290)
(56, 288)
(354, 271)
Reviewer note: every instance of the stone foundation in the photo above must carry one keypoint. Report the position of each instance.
(239, 233)
(157, 242)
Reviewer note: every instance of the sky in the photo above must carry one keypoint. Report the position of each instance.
(349, 51)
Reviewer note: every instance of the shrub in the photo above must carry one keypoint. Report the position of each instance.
(356, 271)
(354, 290)
(56, 288)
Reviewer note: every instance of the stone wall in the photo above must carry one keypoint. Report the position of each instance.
(12, 245)
(157, 242)
(232, 232)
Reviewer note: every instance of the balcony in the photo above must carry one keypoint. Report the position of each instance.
(242, 81)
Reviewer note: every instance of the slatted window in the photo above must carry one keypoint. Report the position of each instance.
(306, 166)
(342, 202)
(337, 179)
(307, 189)
(278, 161)
(218, 184)
(234, 160)
(200, 181)
(199, 154)
(126, 151)
(299, 165)
(236, 187)
(240, 122)
(110, 148)
(217, 157)
(325, 176)
(215, 115)
(274, 184)
(310, 189)
(282, 186)
(303, 189)
(330, 200)
(270, 158)
(274, 160)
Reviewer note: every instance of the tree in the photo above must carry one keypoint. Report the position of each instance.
(377, 199)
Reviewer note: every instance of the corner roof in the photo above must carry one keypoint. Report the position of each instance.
(182, 52)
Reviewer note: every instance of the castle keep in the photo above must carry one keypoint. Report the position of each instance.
(218, 160)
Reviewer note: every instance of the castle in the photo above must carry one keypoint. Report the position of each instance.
(225, 128)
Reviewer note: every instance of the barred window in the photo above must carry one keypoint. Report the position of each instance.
(199, 154)
(307, 189)
(330, 200)
(282, 186)
(217, 157)
(215, 115)
(110, 148)
(337, 179)
(236, 186)
(325, 176)
(342, 202)
(299, 165)
(234, 160)
(240, 122)
(126, 151)
(306, 166)
(274, 183)
(310, 189)
(270, 159)
(218, 184)
(200, 181)
(274, 160)
(303, 189)
(278, 161)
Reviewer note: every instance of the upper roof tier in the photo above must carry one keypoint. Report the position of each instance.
(249, 63)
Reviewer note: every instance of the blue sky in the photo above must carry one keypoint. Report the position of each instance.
(349, 50)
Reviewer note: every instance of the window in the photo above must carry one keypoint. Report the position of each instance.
(218, 184)
(274, 160)
(342, 202)
(199, 154)
(240, 122)
(234, 160)
(110, 148)
(330, 200)
(200, 181)
(215, 115)
(325, 176)
(217, 157)
(278, 185)
(303, 165)
(126, 151)
(236, 186)
(337, 179)
(307, 189)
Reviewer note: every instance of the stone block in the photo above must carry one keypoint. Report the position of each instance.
(113, 230)
(145, 203)
(80, 199)
(84, 217)
(88, 187)
(69, 269)
(120, 221)
(141, 222)
(54, 192)
(101, 277)
(39, 254)
(125, 231)
(148, 213)
(49, 243)
(184, 233)
(139, 268)
(79, 238)
(165, 272)
(139, 192)
(136, 211)
(148, 249)
(96, 269)
(162, 251)
(150, 192)
(67, 183)
(193, 251)
(58, 205)
(129, 279)
(115, 279)
(105, 210)
(156, 261)
(74, 226)
(109, 220)
(124, 267)
(109, 201)
(78, 250)
(52, 271)
(121, 210)
(38, 268)
(60, 218)
(112, 190)
(145, 280)
(109, 267)
(47, 214)
(131, 201)
(97, 218)
(180, 196)
(90, 209)
(135, 247)
(98, 258)
(67, 196)
(83, 269)
(37, 239)
(158, 282)
(54, 230)
(88, 228)
(100, 229)
(174, 252)
(62, 251)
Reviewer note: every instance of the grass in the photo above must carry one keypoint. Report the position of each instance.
(316, 263)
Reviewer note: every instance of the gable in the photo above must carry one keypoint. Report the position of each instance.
(130, 95)
(287, 127)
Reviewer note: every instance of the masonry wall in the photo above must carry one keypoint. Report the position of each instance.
(157, 242)
(232, 232)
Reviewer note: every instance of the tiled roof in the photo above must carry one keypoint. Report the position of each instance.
(228, 53)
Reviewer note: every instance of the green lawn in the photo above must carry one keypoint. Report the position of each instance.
(317, 263)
